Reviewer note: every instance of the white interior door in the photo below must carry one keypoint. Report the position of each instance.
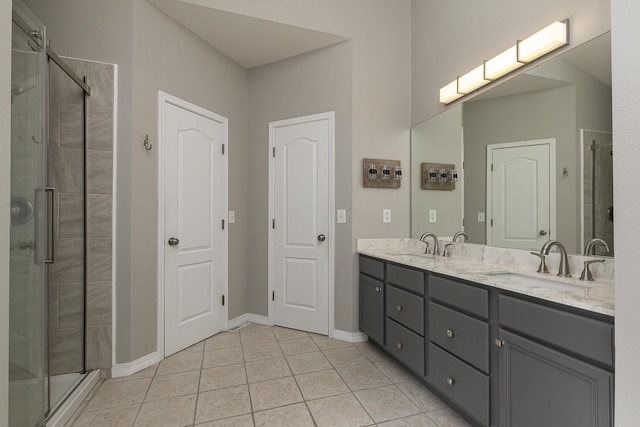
(195, 239)
(521, 194)
(301, 238)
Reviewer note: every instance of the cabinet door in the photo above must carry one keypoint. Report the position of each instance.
(372, 308)
(543, 387)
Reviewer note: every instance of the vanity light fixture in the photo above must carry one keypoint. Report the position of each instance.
(533, 47)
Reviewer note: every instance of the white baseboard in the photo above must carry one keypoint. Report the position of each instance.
(125, 369)
(247, 317)
(73, 402)
(349, 336)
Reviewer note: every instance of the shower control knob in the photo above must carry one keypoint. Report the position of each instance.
(173, 241)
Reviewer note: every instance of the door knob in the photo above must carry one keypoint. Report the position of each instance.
(543, 233)
(173, 241)
(322, 237)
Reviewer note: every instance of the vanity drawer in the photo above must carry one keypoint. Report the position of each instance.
(372, 267)
(462, 335)
(459, 295)
(406, 309)
(405, 345)
(407, 278)
(582, 335)
(463, 384)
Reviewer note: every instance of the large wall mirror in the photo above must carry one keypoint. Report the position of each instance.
(538, 158)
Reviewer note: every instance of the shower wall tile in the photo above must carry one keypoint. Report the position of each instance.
(70, 305)
(70, 215)
(54, 123)
(100, 172)
(66, 169)
(99, 260)
(69, 265)
(101, 77)
(99, 215)
(100, 129)
(52, 296)
(72, 125)
(99, 304)
(62, 87)
(65, 350)
(99, 347)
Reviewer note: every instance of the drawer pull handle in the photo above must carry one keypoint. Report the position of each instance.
(378, 289)
(399, 307)
(450, 381)
(450, 333)
(399, 345)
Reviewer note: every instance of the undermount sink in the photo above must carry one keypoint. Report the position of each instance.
(541, 282)
(416, 256)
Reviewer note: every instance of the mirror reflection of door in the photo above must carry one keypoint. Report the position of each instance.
(521, 194)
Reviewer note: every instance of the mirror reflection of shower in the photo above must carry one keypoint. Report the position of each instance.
(597, 156)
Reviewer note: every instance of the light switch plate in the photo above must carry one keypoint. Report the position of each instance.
(432, 215)
(386, 215)
(341, 216)
(232, 217)
(480, 216)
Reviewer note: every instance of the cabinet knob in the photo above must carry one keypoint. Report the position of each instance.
(399, 345)
(450, 333)
(399, 307)
(378, 289)
(450, 381)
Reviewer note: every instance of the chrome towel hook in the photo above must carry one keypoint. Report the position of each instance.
(146, 144)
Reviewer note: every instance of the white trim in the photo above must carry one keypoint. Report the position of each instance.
(130, 368)
(330, 117)
(247, 317)
(551, 142)
(581, 237)
(73, 402)
(164, 98)
(350, 336)
(114, 192)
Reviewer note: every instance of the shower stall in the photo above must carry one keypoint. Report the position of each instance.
(48, 247)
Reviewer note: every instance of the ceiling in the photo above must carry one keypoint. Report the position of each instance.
(251, 42)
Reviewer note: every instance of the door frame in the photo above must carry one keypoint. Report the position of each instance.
(330, 117)
(551, 142)
(164, 99)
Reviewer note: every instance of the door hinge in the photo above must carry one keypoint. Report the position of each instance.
(222, 299)
(463, 165)
(223, 224)
(222, 148)
(492, 222)
(273, 223)
(463, 222)
(491, 167)
(499, 342)
(273, 151)
(273, 296)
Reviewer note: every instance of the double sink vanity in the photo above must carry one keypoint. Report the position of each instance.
(502, 344)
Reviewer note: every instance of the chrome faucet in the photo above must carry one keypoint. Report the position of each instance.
(435, 242)
(590, 247)
(464, 235)
(563, 269)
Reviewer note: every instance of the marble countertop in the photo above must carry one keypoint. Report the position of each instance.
(481, 261)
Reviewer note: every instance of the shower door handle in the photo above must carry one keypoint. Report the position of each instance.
(51, 225)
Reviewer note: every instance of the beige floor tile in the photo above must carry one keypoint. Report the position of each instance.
(394, 371)
(316, 385)
(121, 416)
(180, 362)
(261, 351)
(298, 345)
(416, 420)
(286, 416)
(343, 410)
(222, 357)
(421, 396)
(447, 418)
(386, 403)
(326, 343)
(222, 340)
(111, 395)
(194, 348)
(267, 369)
(224, 403)
(145, 373)
(257, 337)
(274, 393)
(308, 362)
(222, 377)
(372, 352)
(240, 421)
(176, 411)
(360, 377)
(287, 334)
(345, 356)
(172, 385)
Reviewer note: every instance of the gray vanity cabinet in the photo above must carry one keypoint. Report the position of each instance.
(371, 312)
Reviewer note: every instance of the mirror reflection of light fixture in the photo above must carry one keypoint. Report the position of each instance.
(533, 47)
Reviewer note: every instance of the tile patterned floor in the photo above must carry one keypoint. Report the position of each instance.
(268, 376)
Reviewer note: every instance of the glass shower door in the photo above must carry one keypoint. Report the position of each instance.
(28, 292)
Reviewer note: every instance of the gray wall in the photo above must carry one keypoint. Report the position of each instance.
(316, 82)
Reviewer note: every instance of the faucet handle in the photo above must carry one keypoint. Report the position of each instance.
(426, 250)
(446, 246)
(586, 272)
(542, 268)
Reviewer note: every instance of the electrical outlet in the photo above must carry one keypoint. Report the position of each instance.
(480, 216)
(341, 216)
(386, 215)
(232, 217)
(432, 215)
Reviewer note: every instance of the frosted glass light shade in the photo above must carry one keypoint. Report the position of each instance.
(472, 80)
(449, 93)
(542, 42)
(502, 64)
